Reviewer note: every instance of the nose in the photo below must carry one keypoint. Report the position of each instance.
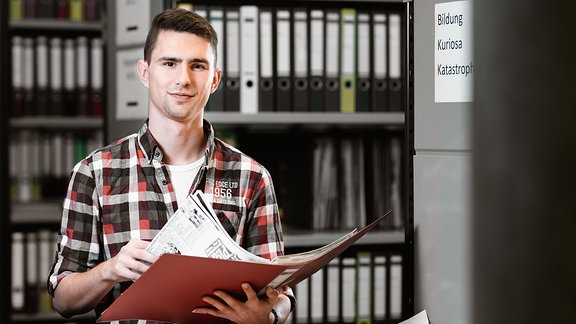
(183, 76)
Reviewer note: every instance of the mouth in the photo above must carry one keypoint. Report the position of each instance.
(180, 96)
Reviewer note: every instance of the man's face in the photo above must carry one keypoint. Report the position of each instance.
(180, 76)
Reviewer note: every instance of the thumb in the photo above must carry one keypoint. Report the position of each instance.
(272, 294)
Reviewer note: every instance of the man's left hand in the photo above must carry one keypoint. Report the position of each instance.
(256, 310)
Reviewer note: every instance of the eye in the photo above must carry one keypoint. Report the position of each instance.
(169, 64)
(198, 66)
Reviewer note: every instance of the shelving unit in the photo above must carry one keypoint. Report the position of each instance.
(392, 244)
(37, 213)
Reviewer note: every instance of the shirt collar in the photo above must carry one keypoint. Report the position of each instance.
(153, 152)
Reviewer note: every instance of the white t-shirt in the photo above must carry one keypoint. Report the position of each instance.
(182, 177)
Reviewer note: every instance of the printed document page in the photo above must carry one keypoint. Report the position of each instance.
(195, 230)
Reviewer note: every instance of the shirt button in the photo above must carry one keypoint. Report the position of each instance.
(157, 154)
(164, 182)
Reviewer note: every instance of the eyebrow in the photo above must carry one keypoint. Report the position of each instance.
(179, 60)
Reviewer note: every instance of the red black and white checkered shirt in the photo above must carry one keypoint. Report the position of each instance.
(123, 191)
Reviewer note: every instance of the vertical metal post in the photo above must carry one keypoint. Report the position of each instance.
(5, 108)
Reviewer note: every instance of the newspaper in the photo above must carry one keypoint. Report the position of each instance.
(194, 229)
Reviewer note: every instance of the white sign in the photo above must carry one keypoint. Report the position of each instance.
(453, 62)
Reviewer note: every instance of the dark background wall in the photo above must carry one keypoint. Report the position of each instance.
(524, 129)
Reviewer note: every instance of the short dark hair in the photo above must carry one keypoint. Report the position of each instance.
(180, 20)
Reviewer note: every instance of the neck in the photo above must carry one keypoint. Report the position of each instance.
(181, 142)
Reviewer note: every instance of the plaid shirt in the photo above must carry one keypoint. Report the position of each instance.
(123, 191)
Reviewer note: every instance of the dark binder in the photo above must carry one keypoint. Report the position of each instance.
(41, 78)
(29, 8)
(96, 77)
(62, 9)
(45, 8)
(216, 17)
(363, 62)
(92, 10)
(283, 60)
(332, 61)
(232, 54)
(31, 264)
(395, 63)
(200, 9)
(378, 175)
(267, 90)
(300, 54)
(316, 60)
(380, 62)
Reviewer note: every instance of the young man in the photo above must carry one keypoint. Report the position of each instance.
(121, 195)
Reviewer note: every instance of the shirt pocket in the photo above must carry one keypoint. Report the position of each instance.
(230, 217)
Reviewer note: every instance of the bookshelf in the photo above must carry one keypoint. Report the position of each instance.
(297, 132)
(55, 96)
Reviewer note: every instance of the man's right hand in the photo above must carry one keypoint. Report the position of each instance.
(130, 262)
(80, 292)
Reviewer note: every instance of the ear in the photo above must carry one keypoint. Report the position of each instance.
(143, 72)
(215, 80)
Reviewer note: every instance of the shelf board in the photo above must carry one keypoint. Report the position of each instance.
(50, 212)
(36, 212)
(42, 24)
(57, 122)
(50, 316)
(307, 118)
(233, 118)
(317, 239)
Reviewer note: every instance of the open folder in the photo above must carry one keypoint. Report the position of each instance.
(174, 285)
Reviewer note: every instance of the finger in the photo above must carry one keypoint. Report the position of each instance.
(283, 289)
(137, 243)
(143, 255)
(208, 311)
(137, 266)
(249, 291)
(123, 270)
(272, 294)
(136, 249)
(216, 303)
(128, 267)
(226, 300)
